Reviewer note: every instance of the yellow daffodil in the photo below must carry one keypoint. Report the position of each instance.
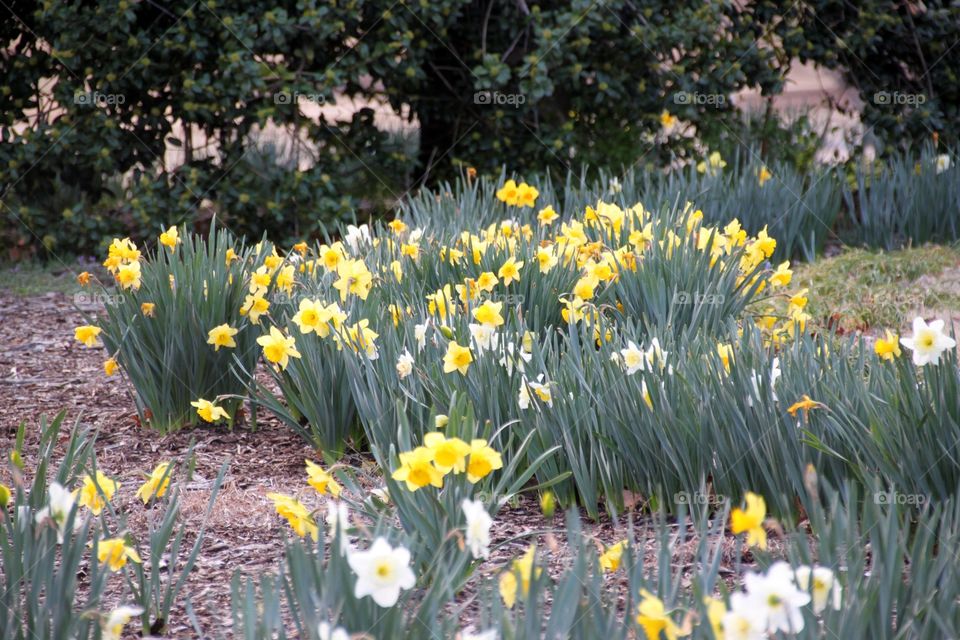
(111, 626)
(763, 175)
(526, 195)
(311, 316)
(255, 306)
(782, 276)
(487, 281)
(888, 347)
(449, 454)
(322, 481)
(517, 578)
(285, 278)
(157, 483)
(440, 303)
(87, 334)
(457, 358)
(360, 338)
(114, 552)
(548, 504)
(353, 277)
(712, 164)
(110, 366)
(508, 193)
(547, 215)
(148, 309)
(128, 276)
(417, 470)
(750, 520)
(468, 291)
(488, 314)
(209, 411)
(93, 499)
(260, 280)
(805, 404)
(483, 460)
(725, 351)
(585, 287)
(296, 515)
(765, 243)
(170, 238)
(272, 262)
(716, 610)
(797, 301)
(610, 559)
(546, 259)
(510, 271)
(667, 121)
(222, 336)
(278, 348)
(653, 618)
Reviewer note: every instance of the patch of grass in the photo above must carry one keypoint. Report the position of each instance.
(869, 291)
(33, 278)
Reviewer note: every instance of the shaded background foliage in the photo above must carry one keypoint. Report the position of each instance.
(95, 94)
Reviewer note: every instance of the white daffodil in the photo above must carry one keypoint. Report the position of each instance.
(825, 587)
(382, 572)
(338, 522)
(484, 336)
(478, 528)
(777, 596)
(542, 390)
(513, 357)
(743, 621)
(928, 342)
(112, 625)
(943, 163)
(755, 379)
(523, 400)
(59, 508)
(357, 236)
(420, 333)
(404, 364)
(632, 358)
(326, 631)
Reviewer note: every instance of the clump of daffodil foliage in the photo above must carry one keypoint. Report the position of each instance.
(71, 566)
(178, 318)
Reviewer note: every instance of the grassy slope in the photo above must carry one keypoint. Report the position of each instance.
(869, 290)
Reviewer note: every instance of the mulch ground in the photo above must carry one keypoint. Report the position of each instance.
(43, 370)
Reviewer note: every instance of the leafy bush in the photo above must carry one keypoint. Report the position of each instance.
(897, 57)
(211, 80)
